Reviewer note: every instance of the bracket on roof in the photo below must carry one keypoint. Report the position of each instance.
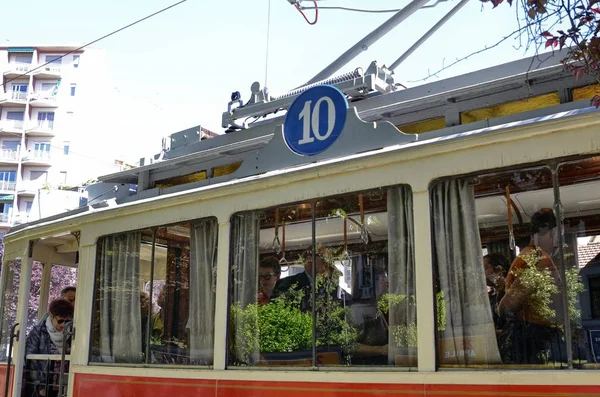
(354, 85)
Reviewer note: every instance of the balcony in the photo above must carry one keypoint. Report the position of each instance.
(8, 156)
(15, 98)
(48, 72)
(37, 157)
(7, 186)
(11, 126)
(42, 128)
(43, 99)
(16, 69)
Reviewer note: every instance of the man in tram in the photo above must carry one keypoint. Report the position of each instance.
(69, 294)
(325, 271)
(532, 324)
(269, 271)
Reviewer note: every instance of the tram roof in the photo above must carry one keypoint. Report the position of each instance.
(260, 150)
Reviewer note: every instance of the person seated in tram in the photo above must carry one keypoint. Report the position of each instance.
(158, 319)
(269, 272)
(327, 282)
(47, 338)
(69, 294)
(531, 323)
(496, 268)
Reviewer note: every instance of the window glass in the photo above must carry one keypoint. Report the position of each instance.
(73, 88)
(10, 145)
(505, 308)
(159, 285)
(76, 61)
(361, 309)
(53, 59)
(11, 272)
(580, 199)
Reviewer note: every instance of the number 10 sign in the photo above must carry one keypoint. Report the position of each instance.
(315, 120)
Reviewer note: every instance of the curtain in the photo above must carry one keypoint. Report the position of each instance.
(246, 234)
(203, 266)
(401, 262)
(469, 336)
(119, 295)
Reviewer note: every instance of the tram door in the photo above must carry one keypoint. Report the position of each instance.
(10, 275)
(28, 287)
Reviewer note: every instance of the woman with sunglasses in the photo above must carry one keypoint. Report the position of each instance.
(47, 338)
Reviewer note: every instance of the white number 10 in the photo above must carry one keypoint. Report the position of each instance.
(309, 121)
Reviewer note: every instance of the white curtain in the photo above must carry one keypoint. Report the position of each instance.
(246, 232)
(203, 265)
(401, 268)
(469, 336)
(120, 311)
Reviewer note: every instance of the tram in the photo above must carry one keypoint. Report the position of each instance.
(338, 250)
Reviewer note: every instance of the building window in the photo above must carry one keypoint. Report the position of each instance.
(73, 87)
(12, 146)
(7, 180)
(26, 59)
(39, 176)
(66, 147)
(17, 116)
(63, 177)
(19, 91)
(48, 86)
(28, 205)
(45, 120)
(55, 59)
(75, 61)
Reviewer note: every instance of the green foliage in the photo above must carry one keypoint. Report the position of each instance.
(574, 288)
(440, 311)
(334, 323)
(280, 326)
(405, 335)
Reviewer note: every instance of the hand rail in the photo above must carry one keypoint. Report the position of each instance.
(13, 335)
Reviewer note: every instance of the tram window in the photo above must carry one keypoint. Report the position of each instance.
(364, 288)
(155, 295)
(580, 198)
(504, 309)
(60, 278)
(11, 273)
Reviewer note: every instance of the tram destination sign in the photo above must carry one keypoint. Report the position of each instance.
(315, 120)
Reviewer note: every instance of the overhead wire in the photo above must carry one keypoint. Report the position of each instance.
(362, 10)
(316, 8)
(79, 49)
(94, 41)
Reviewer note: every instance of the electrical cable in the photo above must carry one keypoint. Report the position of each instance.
(95, 41)
(363, 10)
(316, 8)
(268, 34)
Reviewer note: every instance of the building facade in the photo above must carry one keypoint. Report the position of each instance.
(43, 113)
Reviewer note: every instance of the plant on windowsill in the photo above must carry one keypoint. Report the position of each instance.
(281, 327)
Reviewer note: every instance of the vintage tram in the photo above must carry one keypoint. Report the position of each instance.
(381, 205)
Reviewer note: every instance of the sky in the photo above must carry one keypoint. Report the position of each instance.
(178, 69)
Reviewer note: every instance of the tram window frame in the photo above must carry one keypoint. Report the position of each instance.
(552, 166)
(403, 358)
(203, 356)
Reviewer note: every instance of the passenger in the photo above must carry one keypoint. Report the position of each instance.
(496, 268)
(269, 271)
(303, 281)
(47, 338)
(69, 294)
(145, 311)
(158, 320)
(374, 335)
(527, 335)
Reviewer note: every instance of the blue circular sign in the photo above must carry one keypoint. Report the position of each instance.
(315, 120)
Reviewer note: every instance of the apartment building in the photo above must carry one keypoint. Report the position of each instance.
(45, 138)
